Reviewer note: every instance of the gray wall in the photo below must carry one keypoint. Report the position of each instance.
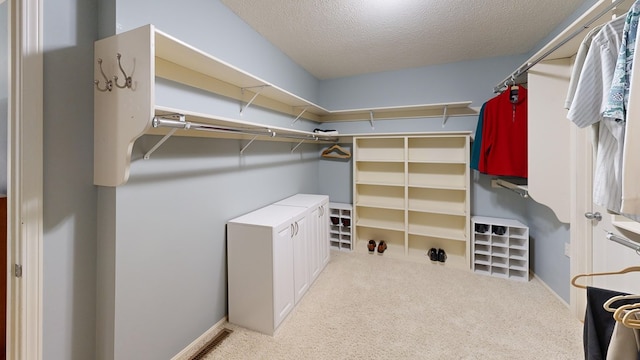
(161, 264)
(69, 195)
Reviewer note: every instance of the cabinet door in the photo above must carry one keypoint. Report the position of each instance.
(283, 291)
(300, 256)
(323, 235)
(315, 255)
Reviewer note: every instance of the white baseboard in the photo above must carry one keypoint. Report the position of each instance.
(551, 290)
(197, 342)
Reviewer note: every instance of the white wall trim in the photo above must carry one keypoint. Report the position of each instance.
(581, 231)
(200, 340)
(25, 181)
(544, 284)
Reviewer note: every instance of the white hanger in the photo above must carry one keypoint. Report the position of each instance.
(607, 304)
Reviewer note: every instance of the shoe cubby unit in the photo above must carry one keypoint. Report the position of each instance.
(133, 105)
(500, 247)
(340, 229)
(413, 192)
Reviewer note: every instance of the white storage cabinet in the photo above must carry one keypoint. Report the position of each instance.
(500, 247)
(317, 226)
(261, 271)
(340, 230)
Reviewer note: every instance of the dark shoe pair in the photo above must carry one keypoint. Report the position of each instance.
(437, 255)
(382, 246)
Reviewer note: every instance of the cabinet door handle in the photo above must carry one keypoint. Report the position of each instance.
(293, 232)
(297, 228)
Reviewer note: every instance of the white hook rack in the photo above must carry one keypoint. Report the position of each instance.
(261, 87)
(108, 83)
(127, 79)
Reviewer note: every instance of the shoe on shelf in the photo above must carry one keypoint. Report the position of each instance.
(371, 245)
(382, 246)
(433, 254)
(442, 256)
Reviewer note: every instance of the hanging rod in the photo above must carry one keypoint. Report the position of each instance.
(624, 241)
(188, 125)
(525, 67)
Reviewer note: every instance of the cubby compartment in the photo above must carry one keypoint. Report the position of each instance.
(380, 218)
(340, 228)
(419, 246)
(439, 176)
(379, 173)
(501, 247)
(380, 149)
(437, 200)
(439, 225)
(393, 239)
(391, 197)
(437, 149)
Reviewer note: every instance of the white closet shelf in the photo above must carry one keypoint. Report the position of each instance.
(564, 45)
(125, 72)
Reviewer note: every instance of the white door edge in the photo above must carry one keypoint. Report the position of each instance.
(25, 181)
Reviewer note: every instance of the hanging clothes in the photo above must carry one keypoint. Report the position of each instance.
(477, 140)
(598, 323)
(623, 105)
(587, 106)
(503, 150)
(578, 64)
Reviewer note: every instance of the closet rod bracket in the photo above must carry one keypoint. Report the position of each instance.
(518, 189)
(155, 147)
(623, 241)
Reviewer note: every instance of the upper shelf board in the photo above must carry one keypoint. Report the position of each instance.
(175, 58)
(122, 115)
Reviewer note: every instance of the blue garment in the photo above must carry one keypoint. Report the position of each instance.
(477, 141)
(617, 104)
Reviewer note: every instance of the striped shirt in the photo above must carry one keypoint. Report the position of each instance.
(590, 98)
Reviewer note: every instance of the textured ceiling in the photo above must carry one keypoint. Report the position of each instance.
(338, 38)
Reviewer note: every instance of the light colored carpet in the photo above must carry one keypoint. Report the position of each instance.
(371, 307)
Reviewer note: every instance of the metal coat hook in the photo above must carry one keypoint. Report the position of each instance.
(108, 83)
(127, 79)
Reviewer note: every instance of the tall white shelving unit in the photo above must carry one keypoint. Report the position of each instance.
(413, 192)
(500, 248)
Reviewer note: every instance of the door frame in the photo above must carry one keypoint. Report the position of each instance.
(581, 231)
(25, 181)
